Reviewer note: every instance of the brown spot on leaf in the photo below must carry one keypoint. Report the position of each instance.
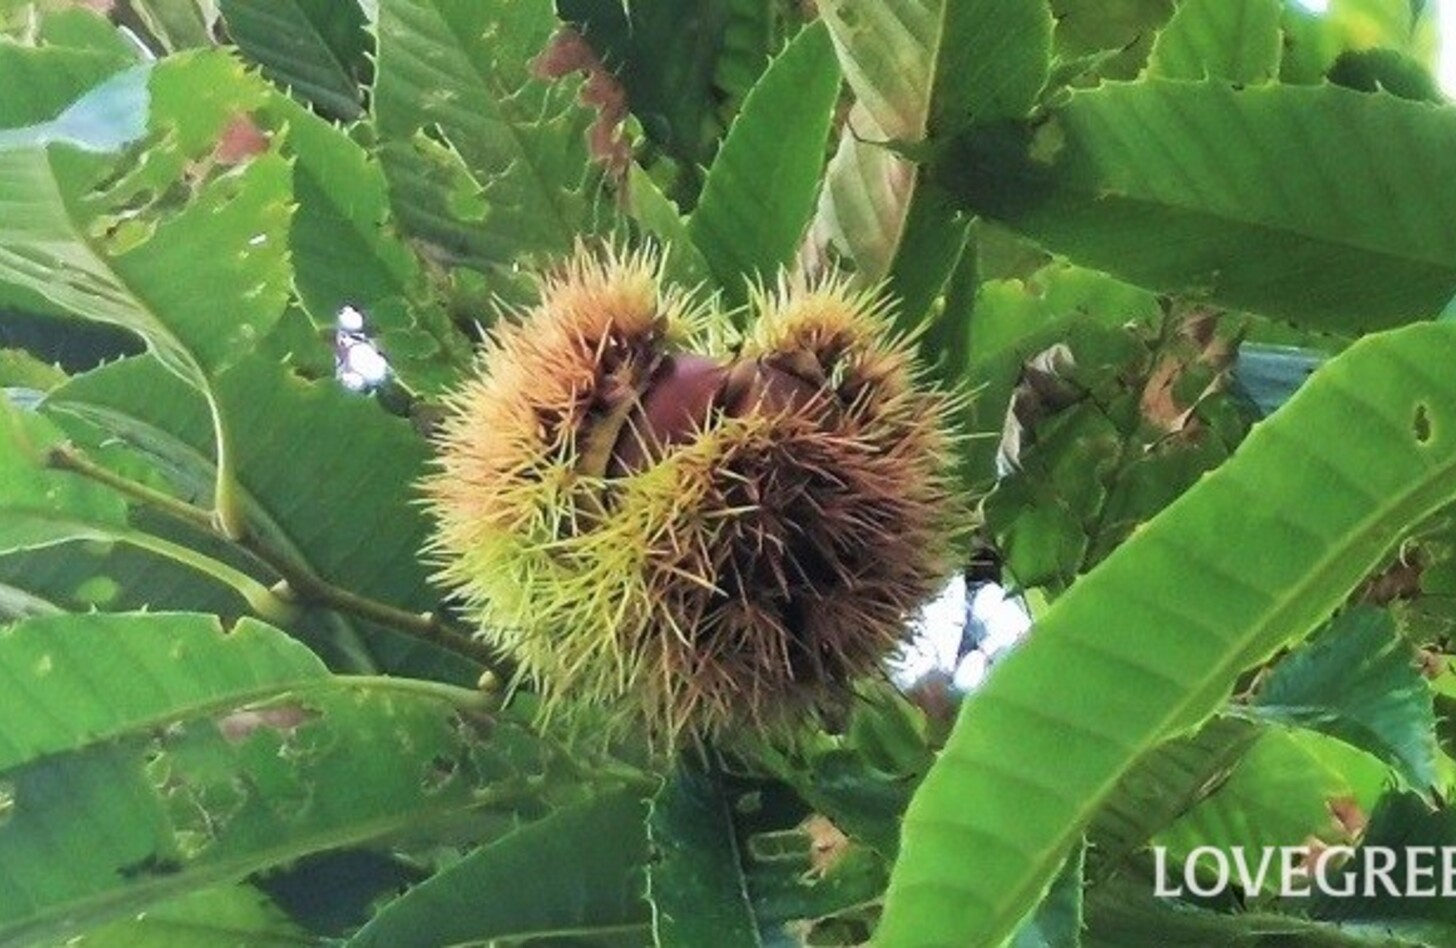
(1399, 581)
(827, 843)
(1158, 403)
(240, 140)
(1349, 818)
(238, 725)
(1042, 391)
(569, 52)
(935, 694)
(1348, 822)
(1198, 347)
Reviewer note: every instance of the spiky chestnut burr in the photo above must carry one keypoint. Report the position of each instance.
(689, 536)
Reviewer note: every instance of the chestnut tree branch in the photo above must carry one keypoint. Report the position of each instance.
(299, 584)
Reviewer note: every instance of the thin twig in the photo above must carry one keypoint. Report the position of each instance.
(300, 584)
(308, 587)
(66, 457)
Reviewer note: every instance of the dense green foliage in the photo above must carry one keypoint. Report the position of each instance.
(237, 710)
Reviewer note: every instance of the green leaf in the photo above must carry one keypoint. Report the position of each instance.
(686, 67)
(220, 768)
(741, 861)
(1104, 430)
(316, 48)
(808, 879)
(863, 780)
(754, 32)
(1163, 786)
(1385, 70)
(1399, 824)
(923, 66)
(697, 888)
(667, 55)
(656, 214)
(76, 26)
(991, 62)
(41, 508)
(91, 576)
(876, 210)
(862, 800)
(761, 188)
(944, 342)
(113, 250)
(341, 506)
(41, 82)
(1337, 226)
(133, 241)
(496, 168)
(1287, 789)
(1315, 40)
(865, 199)
(1012, 321)
(345, 251)
(576, 873)
(1057, 921)
(1358, 682)
(238, 915)
(1237, 40)
(1254, 556)
(1115, 37)
(332, 439)
(178, 24)
(20, 369)
(70, 681)
(916, 67)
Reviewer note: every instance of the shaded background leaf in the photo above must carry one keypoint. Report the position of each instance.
(1358, 681)
(1344, 208)
(760, 191)
(213, 918)
(918, 67)
(365, 537)
(575, 874)
(207, 791)
(318, 49)
(496, 168)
